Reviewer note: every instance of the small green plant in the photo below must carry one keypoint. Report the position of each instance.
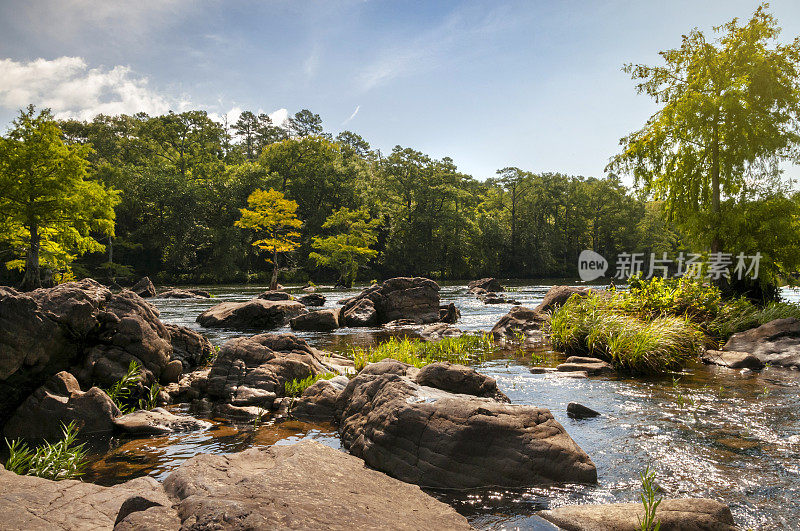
(210, 358)
(259, 418)
(151, 399)
(123, 392)
(649, 501)
(295, 388)
(61, 460)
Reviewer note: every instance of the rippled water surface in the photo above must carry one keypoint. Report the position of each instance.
(720, 433)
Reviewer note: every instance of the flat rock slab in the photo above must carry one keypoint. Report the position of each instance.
(32, 503)
(592, 366)
(255, 314)
(158, 421)
(303, 486)
(776, 342)
(675, 514)
(732, 360)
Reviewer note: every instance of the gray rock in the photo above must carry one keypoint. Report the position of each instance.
(438, 331)
(144, 288)
(449, 314)
(486, 285)
(303, 486)
(153, 518)
(459, 379)
(592, 366)
(579, 411)
(189, 347)
(184, 294)
(312, 299)
(320, 320)
(519, 319)
(59, 401)
(318, 402)
(255, 314)
(33, 504)
(557, 296)
(732, 359)
(360, 313)
(414, 298)
(439, 439)
(157, 422)
(674, 514)
(776, 342)
(275, 295)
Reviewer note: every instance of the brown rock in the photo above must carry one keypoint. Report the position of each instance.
(776, 342)
(485, 285)
(557, 296)
(360, 313)
(59, 401)
(519, 319)
(320, 320)
(732, 359)
(189, 347)
(318, 402)
(449, 314)
(438, 331)
(184, 294)
(312, 299)
(674, 514)
(303, 486)
(275, 295)
(414, 298)
(592, 366)
(144, 288)
(255, 314)
(157, 422)
(579, 411)
(460, 379)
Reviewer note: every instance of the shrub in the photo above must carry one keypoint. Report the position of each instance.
(296, 387)
(62, 460)
(464, 350)
(597, 326)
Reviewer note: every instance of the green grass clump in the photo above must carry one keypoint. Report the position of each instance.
(464, 350)
(597, 326)
(62, 460)
(739, 315)
(296, 387)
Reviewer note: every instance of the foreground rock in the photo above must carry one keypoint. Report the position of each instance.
(433, 437)
(318, 402)
(591, 366)
(32, 503)
(189, 347)
(520, 320)
(80, 327)
(59, 401)
(485, 285)
(414, 298)
(776, 342)
(157, 421)
(557, 296)
(303, 486)
(732, 359)
(144, 288)
(255, 314)
(320, 320)
(674, 514)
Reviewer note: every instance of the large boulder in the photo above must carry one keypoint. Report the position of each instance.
(557, 296)
(732, 359)
(255, 314)
(80, 327)
(519, 320)
(189, 347)
(37, 504)
(776, 342)
(312, 299)
(440, 439)
(318, 401)
(360, 313)
(414, 298)
(485, 285)
(320, 320)
(302, 486)
(61, 401)
(459, 379)
(674, 514)
(144, 288)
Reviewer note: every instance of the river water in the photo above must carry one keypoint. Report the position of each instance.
(719, 433)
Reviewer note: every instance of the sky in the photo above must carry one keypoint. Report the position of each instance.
(534, 84)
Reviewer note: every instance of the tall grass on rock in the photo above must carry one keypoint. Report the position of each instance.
(598, 326)
(464, 350)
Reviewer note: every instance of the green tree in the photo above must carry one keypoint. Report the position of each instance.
(729, 111)
(274, 217)
(349, 249)
(49, 208)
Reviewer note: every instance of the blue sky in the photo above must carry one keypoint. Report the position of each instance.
(532, 84)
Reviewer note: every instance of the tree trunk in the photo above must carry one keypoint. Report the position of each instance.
(32, 279)
(273, 284)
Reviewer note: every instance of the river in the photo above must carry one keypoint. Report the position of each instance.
(719, 433)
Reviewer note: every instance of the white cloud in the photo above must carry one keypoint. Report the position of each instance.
(279, 117)
(358, 107)
(73, 90)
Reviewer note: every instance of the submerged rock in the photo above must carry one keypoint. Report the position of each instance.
(687, 513)
(157, 422)
(59, 401)
(251, 315)
(414, 298)
(32, 503)
(320, 320)
(436, 438)
(144, 288)
(302, 486)
(776, 342)
(732, 359)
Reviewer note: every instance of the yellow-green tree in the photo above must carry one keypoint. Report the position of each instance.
(349, 249)
(274, 217)
(49, 210)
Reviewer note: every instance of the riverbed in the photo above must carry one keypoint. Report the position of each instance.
(711, 432)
